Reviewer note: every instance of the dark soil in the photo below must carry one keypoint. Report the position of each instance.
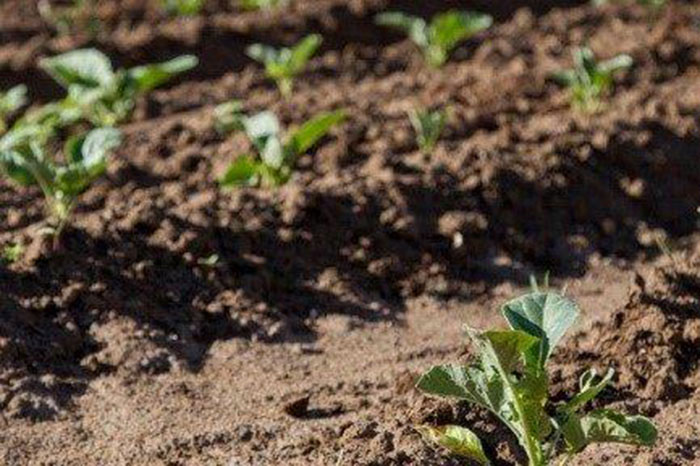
(301, 343)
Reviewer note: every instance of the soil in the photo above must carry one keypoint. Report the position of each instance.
(300, 345)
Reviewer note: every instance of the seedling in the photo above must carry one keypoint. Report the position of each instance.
(652, 4)
(76, 16)
(510, 379)
(103, 96)
(10, 102)
(439, 38)
(12, 253)
(183, 7)
(275, 160)
(283, 65)
(228, 117)
(428, 125)
(262, 4)
(590, 81)
(24, 160)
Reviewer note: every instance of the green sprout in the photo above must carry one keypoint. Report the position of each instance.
(283, 65)
(183, 7)
(275, 159)
(651, 4)
(77, 16)
(24, 159)
(262, 4)
(12, 253)
(428, 125)
(510, 380)
(589, 81)
(103, 96)
(11, 101)
(228, 117)
(439, 38)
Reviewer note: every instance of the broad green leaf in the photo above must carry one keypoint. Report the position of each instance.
(452, 381)
(261, 127)
(450, 28)
(83, 67)
(96, 147)
(273, 153)
(544, 315)
(414, 27)
(302, 52)
(313, 130)
(149, 77)
(589, 388)
(244, 171)
(459, 440)
(12, 163)
(607, 426)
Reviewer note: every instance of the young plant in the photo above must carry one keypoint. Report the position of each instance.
(228, 117)
(10, 102)
(103, 96)
(589, 81)
(24, 159)
(183, 7)
(283, 65)
(275, 160)
(262, 4)
(439, 38)
(76, 16)
(428, 125)
(510, 379)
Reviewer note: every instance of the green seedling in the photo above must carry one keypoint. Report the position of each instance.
(283, 65)
(652, 4)
(262, 4)
(12, 253)
(428, 125)
(183, 7)
(24, 159)
(275, 159)
(438, 39)
(10, 102)
(590, 81)
(228, 117)
(510, 380)
(103, 96)
(76, 16)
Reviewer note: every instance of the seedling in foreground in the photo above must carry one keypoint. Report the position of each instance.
(283, 65)
(590, 81)
(103, 96)
(10, 102)
(428, 125)
(262, 4)
(183, 7)
(24, 160)
(439, 38)
(274, 163)
(510, 380)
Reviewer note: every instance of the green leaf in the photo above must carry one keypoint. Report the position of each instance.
(273, 153)
(261, 4)
(459, 440)
(261, 127)
(13, 100)
(607, 426)
(450, 28)
(302, 53)
(228, 117)
(88, 160)
(262, 53)
(589, 388)
(428, 126)
(243, 171)
(96, 147)
(414, 27)
(618, 63)
(149, 77)
(12, 163)
(83, 67)
(546, 316)
(313, 130)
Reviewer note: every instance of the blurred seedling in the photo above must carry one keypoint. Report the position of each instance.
(70, 17)
(12, 253)
(428, 126)
(590, 81)
(442, 35)
(103, 96)
(275, 159)
(262, 4)
(183, 7)
(228, 117)
(26, 161)
(283, 65)
(11, 101)
(510, 379)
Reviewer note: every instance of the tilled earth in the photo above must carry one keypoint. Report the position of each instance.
(300, 345)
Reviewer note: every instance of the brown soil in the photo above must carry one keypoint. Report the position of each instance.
(331, 294)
